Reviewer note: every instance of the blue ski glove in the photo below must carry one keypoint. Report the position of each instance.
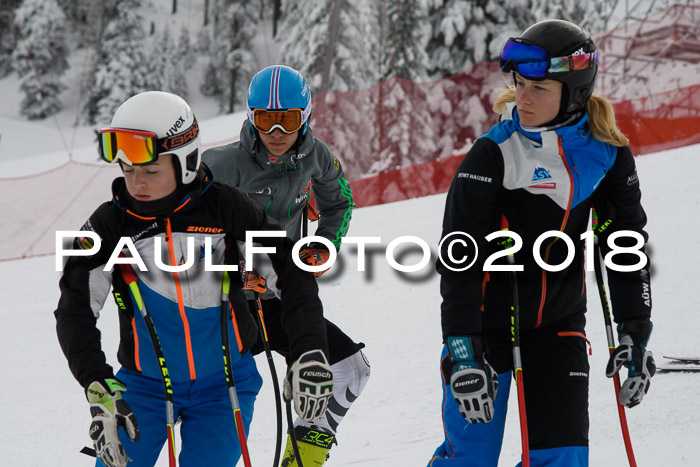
(473, 381)
(109, 411)
(632, 353)
(309, 383)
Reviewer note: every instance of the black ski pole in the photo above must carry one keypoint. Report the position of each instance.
(305, 220)
(278, 398)
(273, 374)
(292, 435)
(290, 420)
(609, 333)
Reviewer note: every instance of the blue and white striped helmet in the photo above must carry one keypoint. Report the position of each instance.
(279, 87)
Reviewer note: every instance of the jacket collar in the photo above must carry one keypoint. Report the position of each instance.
(184, 197)
(576, 125)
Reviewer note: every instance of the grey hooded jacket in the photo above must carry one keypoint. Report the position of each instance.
(281, 184)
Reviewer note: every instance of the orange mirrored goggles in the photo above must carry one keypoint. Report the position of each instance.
(131, 146)
(135, 147)
(289, 121)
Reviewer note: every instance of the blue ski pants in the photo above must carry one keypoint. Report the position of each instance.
(555, 376)
(203, 407)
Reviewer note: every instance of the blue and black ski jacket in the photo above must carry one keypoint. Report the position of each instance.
(186, 305)
(540, 180)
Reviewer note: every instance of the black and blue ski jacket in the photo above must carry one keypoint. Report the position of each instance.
(539, 180)
(185, 306)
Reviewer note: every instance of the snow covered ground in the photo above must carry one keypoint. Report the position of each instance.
(396, 422)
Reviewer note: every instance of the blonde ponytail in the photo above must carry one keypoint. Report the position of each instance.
(505, 96)
(601, 121)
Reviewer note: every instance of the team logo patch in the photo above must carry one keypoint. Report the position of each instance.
(542, 178)
(272, 159)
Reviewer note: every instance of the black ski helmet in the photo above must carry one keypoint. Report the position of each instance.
(562, 39)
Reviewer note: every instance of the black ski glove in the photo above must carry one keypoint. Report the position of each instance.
(632, 353)
(473, 381)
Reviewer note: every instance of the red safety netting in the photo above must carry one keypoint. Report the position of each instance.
(34, 207)
(401, 139)
(399, 123)
(650, 70)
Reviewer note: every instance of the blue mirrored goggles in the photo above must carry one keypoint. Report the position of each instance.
(533, 62)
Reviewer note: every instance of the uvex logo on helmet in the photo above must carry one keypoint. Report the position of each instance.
(173, 142)
(176, 126)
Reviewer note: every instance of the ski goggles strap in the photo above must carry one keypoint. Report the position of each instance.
(265, 121)
(135, 147)
(533, 62)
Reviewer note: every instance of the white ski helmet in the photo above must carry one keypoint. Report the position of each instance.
(174, 124)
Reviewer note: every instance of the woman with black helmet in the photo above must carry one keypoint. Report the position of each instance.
(555, 154)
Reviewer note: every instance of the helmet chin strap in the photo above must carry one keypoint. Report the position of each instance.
(563, 104)
(178, 171)
(563, 120)
(563, 117)
(553, 125)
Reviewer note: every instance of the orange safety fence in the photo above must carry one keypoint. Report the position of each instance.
(662, 121)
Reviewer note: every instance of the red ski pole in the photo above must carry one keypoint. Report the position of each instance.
(518, 365)
(611, 338)
(240, 429)
(515, 340)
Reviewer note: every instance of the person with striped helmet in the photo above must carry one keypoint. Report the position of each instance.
(279, 163)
